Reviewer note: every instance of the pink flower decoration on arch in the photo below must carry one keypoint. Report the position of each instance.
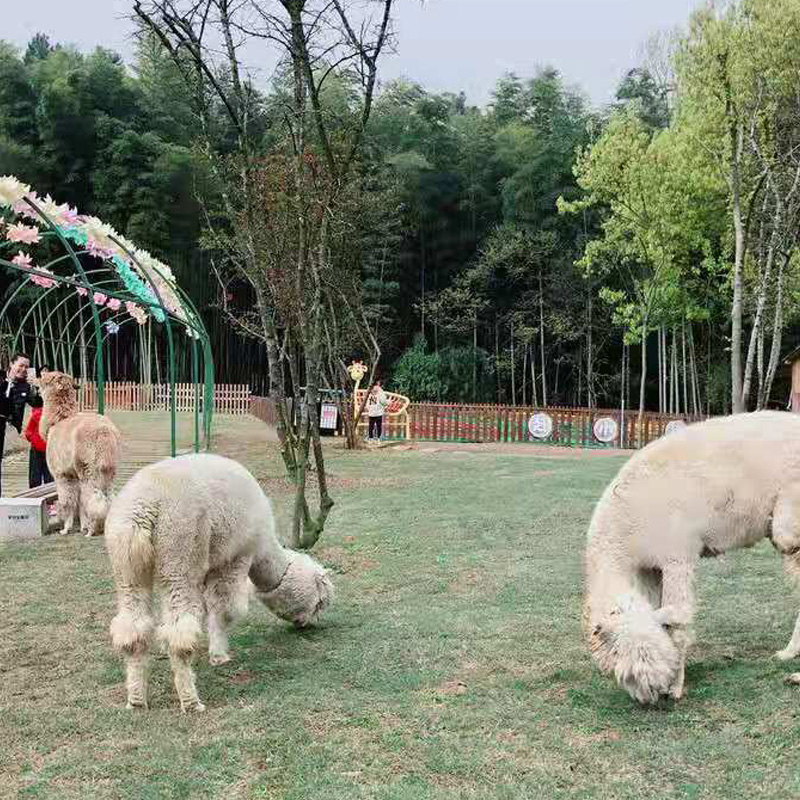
(23, 209)
(99, 298)
(25, 234)
(22, 260)
(114, 304)
(26, 262)
(40, 280)
(81, 291)
(136, 312)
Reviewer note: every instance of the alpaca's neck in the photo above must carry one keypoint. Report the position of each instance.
(54, 410)
(605, 584)
(268, 568)
(609, 571)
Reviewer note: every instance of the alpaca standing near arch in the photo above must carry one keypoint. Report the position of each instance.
(83, 451)
(199, 525)
(717, 486)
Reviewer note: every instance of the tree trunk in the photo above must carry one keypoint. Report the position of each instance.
(590, 396)
(777, 334)
(760, 363)
(555, 387)
(475, 357)
(541, 340)
(643, 380)
(422, 277)
(737, 306)
(676, 381)
(696, 405)
(513, 372)
(758, 323)
(685, 372)
(660, 370)
(622, 404)
(497, 356)
(708, 370)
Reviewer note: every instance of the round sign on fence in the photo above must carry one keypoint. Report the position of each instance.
(675, 426)
(605, 430)
(540, 426)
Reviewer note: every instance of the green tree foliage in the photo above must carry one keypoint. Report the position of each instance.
(677, 232)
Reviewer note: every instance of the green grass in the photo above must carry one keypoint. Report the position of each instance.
(450, 667)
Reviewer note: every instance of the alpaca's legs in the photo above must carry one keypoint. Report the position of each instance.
(95, 491)
(183, 674)
(181, 627)
(677, 612)
(131, 634)
(792, 649)
(86, 519)
(226, 599)
(785, 537)
(68, 502)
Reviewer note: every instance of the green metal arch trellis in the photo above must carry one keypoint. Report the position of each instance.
(121, 279)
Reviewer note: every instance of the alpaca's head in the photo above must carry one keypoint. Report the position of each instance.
(633, 642)
(304, 592)
(57, 388)
(60, 402)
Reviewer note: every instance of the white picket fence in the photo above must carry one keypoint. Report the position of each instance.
(229, 398)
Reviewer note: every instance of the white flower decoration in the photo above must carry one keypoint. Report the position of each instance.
(98, 234)
(12, 190)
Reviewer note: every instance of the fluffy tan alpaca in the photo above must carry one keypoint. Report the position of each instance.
(714, 487)
(199, 525)
(83, 450)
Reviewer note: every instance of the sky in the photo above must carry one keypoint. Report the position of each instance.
(446, 45)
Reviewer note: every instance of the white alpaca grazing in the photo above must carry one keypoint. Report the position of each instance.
(713, 487)
(199, 525)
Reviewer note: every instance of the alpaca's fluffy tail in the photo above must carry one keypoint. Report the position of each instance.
(102, 470)
(131, 550)
(132, 555)
(632, 642)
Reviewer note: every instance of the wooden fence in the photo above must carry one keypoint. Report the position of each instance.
(130, 396)
(565, 427)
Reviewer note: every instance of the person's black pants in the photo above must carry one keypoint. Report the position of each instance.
(38, 472)
(376, 425)
(2, 447)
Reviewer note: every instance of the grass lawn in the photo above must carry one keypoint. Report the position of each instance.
(451, 666)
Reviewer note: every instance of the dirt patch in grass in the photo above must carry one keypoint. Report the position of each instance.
(242, 678)
(452, 687)
(346, 561)
(467, 581)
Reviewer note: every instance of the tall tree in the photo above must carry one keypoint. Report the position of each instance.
(281, 222)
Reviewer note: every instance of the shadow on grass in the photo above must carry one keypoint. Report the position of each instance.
(707, 682)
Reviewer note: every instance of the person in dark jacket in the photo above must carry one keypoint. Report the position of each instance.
(38, 471)
(15, 394)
